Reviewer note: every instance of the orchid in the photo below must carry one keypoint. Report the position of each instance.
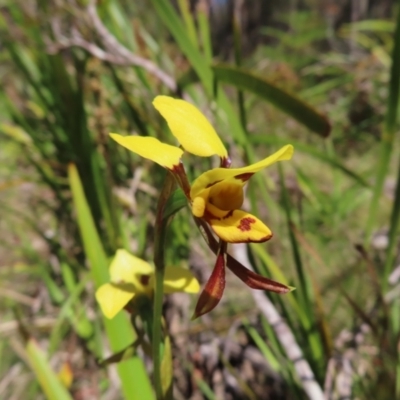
(131, 277)
(215, 197)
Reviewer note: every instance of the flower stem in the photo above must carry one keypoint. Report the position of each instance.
(159, 262)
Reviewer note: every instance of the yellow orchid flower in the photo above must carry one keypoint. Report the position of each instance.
(215, 196)
(131, 276)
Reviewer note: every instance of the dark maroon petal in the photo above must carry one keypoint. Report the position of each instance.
(212, 292)
(255, 281)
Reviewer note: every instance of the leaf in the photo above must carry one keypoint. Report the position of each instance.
(47, 378)
(175, 202)
(167, 369)
(286, 102)
(299, 146)
(125, 354)
(388, 135)
(134, 379)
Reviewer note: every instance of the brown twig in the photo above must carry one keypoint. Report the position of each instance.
(116, 53)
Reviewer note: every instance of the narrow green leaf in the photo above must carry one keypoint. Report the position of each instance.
(47, 378)
(299, 146)
(56, 294)
(388, 131)
(204, 30)
(174, 24)
(134, 379)
(393, 234)
(374, 25)
(176, 201)
(167, 369)
(187, 16)
(262, 346)
(286, 102)
(201, 67)
(122, 355)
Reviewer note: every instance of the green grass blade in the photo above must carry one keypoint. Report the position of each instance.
(200, 66)
(263, 347)
(205, 35)
(187, 16)
(178, 31)
(47, 378)
(312, 151)
(176, 201)
(285, 101)
(388, 132)
(135, 382)
(393, 235)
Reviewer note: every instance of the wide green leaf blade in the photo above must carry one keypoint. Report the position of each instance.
(134, 379)
(286, 102)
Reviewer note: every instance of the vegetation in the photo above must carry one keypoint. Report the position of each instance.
(71, 198)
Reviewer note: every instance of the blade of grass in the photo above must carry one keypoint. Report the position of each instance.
(263, 347)
(284, 334)
(175, 26)
(134, 379)
(47, 378)
(389, 131)
(281, 99)
(305, 290)
(204, 30)
(201, 67)
(184, 7)
(269, 139)
(393, 235)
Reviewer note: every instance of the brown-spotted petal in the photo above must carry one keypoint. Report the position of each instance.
(237, 226)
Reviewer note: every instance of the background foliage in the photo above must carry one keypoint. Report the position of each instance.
(72, 72)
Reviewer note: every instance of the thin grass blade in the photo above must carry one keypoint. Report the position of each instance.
(286, 102)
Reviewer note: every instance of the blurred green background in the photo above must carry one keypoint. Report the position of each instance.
(323, 76)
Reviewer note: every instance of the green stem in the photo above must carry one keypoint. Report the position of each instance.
(394, 228)
(159, 262)
(388, 131)
(158, 299)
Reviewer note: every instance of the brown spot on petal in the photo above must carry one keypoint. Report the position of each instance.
(144, 280)
(245, 224)
(212, 184)
(245, 177)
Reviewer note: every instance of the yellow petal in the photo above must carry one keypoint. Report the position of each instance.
(113, 298)
(66, 375)
(216, 175)
(237, 226)
(151, 148)
(190, 127)
(177, 279)
(199, 203)
(126, 268)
